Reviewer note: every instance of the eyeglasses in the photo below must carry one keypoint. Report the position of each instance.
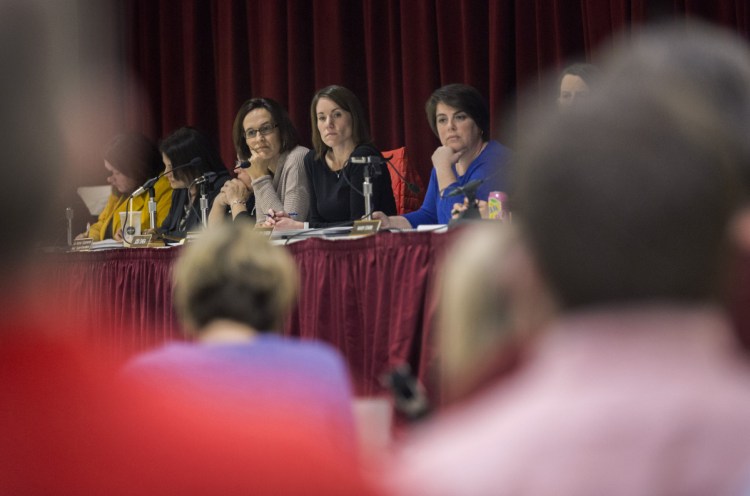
(264, 130)
(242, 164)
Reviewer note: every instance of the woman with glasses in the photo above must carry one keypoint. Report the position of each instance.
(269, 165)
(188, 155)
(340, 132)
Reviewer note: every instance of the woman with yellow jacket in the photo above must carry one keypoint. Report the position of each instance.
(131, 159)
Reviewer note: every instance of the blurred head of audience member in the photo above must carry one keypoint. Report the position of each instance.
(694, 133)
(353, 129)
(705, 62)
(180, 148)
(237, 276)
(34, 164)
(461, 98)
(491, 305)
(575, 84)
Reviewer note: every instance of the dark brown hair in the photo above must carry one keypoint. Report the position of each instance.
(348, 101)
(289, 136)
(188, 143)
(462, 97)
(134, 156)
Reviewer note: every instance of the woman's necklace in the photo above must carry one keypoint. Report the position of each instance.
(330, 163)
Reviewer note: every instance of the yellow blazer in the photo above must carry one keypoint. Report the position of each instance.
(119, 203)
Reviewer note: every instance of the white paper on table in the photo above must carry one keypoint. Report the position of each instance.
(106, 244)
(95, 197)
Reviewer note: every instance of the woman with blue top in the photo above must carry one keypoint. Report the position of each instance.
(459, 116)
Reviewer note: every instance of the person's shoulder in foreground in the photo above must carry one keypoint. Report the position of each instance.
(599, 408)
(60, 403)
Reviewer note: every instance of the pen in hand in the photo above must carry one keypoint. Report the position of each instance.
(290, 214)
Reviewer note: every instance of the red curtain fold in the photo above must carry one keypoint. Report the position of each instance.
(199, 60)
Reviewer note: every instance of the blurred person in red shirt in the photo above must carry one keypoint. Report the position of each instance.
(67, 426)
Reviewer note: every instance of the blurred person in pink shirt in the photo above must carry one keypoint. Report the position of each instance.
(628, 205)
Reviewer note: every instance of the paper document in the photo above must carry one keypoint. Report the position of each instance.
(95, 197)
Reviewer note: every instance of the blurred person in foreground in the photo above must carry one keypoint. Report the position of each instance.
(233, 290)
(716, 67)
(131, 160)
(66, 425)
(639, 385)
(492, 304)
(270, 170)
(460, 118)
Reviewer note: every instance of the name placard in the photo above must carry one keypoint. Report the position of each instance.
(140, 241)
(83, 244)
(364, 228)
(264, 231)
(191, 236)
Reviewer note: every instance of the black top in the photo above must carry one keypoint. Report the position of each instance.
(333, 200)
(184, 216)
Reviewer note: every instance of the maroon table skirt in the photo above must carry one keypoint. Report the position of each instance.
(372, 298)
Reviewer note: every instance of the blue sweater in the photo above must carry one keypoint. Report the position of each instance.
(305, 376)
(492, 165)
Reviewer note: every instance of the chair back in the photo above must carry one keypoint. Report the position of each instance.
(406, 200)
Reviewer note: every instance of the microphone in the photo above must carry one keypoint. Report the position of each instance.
(467, 189)
(150, 183)
(206, 177)
(373, 159)
(376, 159)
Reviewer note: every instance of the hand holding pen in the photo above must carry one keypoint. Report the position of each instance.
(282, 220)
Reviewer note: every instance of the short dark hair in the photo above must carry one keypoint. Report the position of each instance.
(289, 136)
(348, 101)
(628, 197)
(233, 273)
(184, 145)
(134, 156)
(462, 97)
(588, 72)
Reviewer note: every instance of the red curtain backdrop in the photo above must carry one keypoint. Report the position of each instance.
(198, 60)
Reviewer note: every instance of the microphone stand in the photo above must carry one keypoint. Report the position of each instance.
(472, 212)
(152, 208)
(204, 205)
(367, 192)
(69, 217)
